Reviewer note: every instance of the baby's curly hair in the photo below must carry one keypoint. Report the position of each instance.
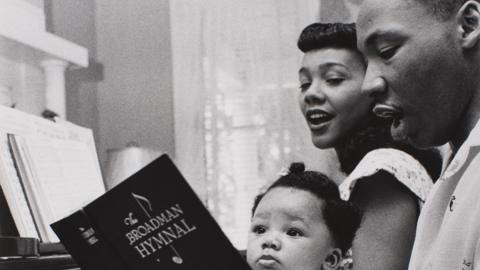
(341, 217)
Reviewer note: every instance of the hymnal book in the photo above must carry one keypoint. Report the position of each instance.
(152, 220)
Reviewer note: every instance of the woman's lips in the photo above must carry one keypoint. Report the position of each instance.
(317, 117)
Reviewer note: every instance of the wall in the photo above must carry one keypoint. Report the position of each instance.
(81, 84)
(133, 44)
(26, 84)
(23, 78)
(339, 10)
(126, 94)
(37, 3)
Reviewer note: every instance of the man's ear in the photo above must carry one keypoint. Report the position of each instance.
(468, 19)
(333, 260)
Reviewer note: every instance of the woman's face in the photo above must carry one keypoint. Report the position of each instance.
(330, 96)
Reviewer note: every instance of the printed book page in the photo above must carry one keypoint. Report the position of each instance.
(31, 193)
(14, 192)
(56, 170)
(61, 175)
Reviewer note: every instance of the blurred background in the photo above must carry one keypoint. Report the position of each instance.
(213, 83)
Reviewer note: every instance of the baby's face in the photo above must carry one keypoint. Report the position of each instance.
(288, 232)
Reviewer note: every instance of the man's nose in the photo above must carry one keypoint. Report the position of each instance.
(373, 84)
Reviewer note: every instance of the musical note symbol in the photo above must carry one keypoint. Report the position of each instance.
(176, 259)
(142, 200)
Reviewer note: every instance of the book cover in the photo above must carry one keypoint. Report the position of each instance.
(87, 248)
(154, 220)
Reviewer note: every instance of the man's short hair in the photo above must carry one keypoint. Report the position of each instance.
(443, 9)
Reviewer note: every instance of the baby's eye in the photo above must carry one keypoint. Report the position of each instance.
(258, 229)
(294, 232)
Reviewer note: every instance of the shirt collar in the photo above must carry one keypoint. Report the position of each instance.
(460, 157)
(474, 136)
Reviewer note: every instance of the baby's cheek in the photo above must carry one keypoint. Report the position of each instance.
(250, 254)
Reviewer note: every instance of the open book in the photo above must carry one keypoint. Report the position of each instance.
(58, 176)
(152, 220)
(47, 170)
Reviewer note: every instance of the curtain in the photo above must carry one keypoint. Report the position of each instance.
(237, 121)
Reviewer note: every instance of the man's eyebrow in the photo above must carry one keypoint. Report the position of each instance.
(373, 37)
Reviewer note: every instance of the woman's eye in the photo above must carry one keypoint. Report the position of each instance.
(258, 229)
(294, 232)
(334, 81)
(388, 52)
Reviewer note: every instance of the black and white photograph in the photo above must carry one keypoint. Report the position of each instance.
(239, 134)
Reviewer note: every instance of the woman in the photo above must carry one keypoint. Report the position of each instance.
(389, 180)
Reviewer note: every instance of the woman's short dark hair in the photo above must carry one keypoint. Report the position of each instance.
(321, 35)
(341, 217)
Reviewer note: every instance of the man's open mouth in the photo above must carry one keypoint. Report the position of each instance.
(388, 112)
(399, 125)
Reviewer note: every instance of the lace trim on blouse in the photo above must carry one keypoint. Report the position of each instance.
(405, 168)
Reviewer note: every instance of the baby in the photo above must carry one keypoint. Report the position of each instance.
(300, 223)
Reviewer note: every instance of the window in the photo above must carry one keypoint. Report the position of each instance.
(237, 119)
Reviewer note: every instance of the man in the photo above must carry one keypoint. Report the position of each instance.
(424, 72)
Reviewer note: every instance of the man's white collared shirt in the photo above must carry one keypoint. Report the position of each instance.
(448, 230)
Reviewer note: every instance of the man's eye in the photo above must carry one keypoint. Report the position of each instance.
(258, 229)
(294, 232)
(305, 86)
(388, 52)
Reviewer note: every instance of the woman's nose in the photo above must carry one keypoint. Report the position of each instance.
(314, 94)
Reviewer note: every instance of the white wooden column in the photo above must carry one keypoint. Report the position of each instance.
(55, 97)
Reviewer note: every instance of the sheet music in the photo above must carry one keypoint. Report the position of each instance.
(82, 134)
(59, 166)
(14, 193)
(63, 174)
